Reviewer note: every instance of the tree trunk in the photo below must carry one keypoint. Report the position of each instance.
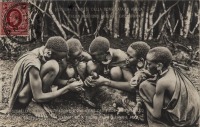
(162, 30)
(174, 29)
(82, 10)
(182, 24)
(197, 15)
(111, 18)
(86, 23)
(106, 28)
(32, 31)
(167, 19)
(152, 10)
(43, 22)
(127, 19)
(78, 22)
(142, 21)
(68, 19)
(136, 24)
(102, 17)
(116, 19)
(146, 21)
(89, 20)
(187, 19)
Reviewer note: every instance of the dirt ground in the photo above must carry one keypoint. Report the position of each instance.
(70, 113)
(74, 113)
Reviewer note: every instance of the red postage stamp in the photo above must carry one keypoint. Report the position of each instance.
(14, 19)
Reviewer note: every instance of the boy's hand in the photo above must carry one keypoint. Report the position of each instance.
(76, 86)
(90, 82)
(134, 81)
(71, 80)
(139, 77)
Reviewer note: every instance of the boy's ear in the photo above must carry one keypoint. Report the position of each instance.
(82, 49)
(108, 56)
(159, 66)
(140, 63)
(47, 52)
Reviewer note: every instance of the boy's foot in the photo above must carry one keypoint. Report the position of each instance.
(135, 111)
(36, 110)
(49, 111)
(138, 113)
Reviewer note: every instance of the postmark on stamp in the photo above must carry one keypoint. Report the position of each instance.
(14, 20)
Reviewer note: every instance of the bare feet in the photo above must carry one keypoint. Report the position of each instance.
(138, 113)
(36, 110)
(128, 104)
(136, 110)
(49, 111)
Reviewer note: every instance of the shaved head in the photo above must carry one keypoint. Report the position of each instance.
(74, 45)
(141, 49)
(100, 45)
(160, 55)
(57, 43)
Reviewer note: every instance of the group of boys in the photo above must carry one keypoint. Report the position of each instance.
(169, 97)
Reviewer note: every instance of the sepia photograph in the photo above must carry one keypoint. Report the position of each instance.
(92, 63)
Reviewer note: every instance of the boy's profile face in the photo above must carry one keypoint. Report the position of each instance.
(76, 55)
(99, 56)
(58, 55)
(132, 56)
(52, 54)
(151, 65)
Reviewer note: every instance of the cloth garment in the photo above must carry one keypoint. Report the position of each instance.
(21, 71)
(182, 110)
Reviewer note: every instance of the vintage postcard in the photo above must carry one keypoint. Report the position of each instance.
(109, 63)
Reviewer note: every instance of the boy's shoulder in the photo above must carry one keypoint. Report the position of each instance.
(119, 53)
(167, 80)
(86, 55)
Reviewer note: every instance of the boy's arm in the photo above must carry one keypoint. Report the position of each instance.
(61, 82)
(119, 85)
(36, 87)
(127, 75)
(158, 100)
(101, 81)
(87, 56)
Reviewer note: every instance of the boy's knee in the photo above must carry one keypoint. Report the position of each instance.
(53, 66)
(91, 66)
(82, 66)
(116, 73)
(70, 71)
(145, 85)
(23, 98)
